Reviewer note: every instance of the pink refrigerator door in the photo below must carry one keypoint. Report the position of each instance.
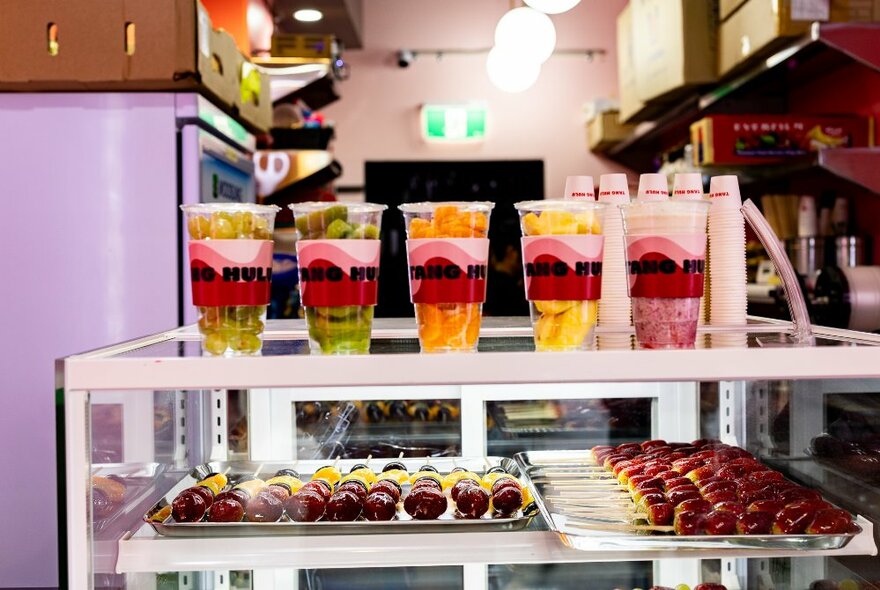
(90, 257)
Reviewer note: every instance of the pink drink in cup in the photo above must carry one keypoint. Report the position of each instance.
(666, 262)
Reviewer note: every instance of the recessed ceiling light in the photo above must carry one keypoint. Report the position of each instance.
(308, 15)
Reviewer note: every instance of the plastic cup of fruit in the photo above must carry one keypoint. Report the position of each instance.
(666, 260)
(562, 264)
(448, 251)
(230, 251)
(338, 253)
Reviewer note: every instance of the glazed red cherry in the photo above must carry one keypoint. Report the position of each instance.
(473, 502)
(343, 506)
(264, 507)
(675, 482)
(717, 486)
(719, 522)
(660, 514)
(720, 496)
(668, 475)
(652, 444)
(792, 520)
(425, 503)
(656, 470)
(652, 498)
(710, 587)
(206, 494)
(460, 486)
(754, 523)
(734, 507)
(355, 487)
(188, 506)
(700, 473)
(686, 465)
(281, 493)
(507, 500)
(688, 523)
(505, 482)
(771, 506)
(831, 521)
(679, 495)
(798, 494)
(319, 486)
(694, 505)
(307, 505)
(239, 496)
(226, 510)
(427, 481)
(387, 486)
(380, 506)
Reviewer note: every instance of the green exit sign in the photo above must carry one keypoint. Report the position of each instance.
(454, 123)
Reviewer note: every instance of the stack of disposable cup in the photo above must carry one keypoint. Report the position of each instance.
(727, 266)
(689, 187)
(615, 306)
(580, 187)
(653, 187)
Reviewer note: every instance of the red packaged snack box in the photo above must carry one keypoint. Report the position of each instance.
(765, 139)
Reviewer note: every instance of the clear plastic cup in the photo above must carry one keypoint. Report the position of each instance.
(562, 258)
(230, 248)
(666, 263)
(448, 251)
(338, 254)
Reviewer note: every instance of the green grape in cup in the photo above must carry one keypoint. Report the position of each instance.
(339, 314)
(230, 329)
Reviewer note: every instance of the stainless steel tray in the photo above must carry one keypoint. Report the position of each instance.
(401, 524)
(589, 534)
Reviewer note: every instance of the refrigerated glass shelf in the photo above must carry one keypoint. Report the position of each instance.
(763, 349)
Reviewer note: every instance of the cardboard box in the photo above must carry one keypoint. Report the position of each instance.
(761, 26)
(630, 105)
(728, 7)
(120, 45)
(674, 42)
(606, 130)
(767, 139)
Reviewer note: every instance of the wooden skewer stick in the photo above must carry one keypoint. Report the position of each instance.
(619, 527)
(259, 469)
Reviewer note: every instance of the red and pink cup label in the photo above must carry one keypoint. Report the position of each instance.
(666, 266)
(448, 270)
(563, 267)
(230, 272)
(335, 273)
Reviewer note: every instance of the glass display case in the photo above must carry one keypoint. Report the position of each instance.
(140, 418)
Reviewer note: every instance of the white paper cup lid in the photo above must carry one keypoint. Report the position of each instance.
(687, 187)
(653, 187)
(724, 192)
(613, 188)
(579, 187)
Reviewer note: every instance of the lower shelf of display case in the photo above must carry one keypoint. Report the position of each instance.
(145, 551)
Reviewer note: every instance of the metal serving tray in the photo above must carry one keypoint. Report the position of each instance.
(401, 524)
(588, 534)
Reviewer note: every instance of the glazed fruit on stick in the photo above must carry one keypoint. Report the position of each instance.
(230, 253)
(562, 262)
(448, 252)
(709, 488)
(338, 252)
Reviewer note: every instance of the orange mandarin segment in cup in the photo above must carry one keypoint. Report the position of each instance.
(563, 271)
(448, 285)
(232, 309)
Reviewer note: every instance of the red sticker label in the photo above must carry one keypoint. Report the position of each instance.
(333, 273)
(563, 267)
(448, 270)
(230, 272)
(669, 265)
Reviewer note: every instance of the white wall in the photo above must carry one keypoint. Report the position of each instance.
(377, 117)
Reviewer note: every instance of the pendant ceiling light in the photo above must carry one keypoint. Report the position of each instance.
(509, 73)
(552, 6)
(526, 34)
